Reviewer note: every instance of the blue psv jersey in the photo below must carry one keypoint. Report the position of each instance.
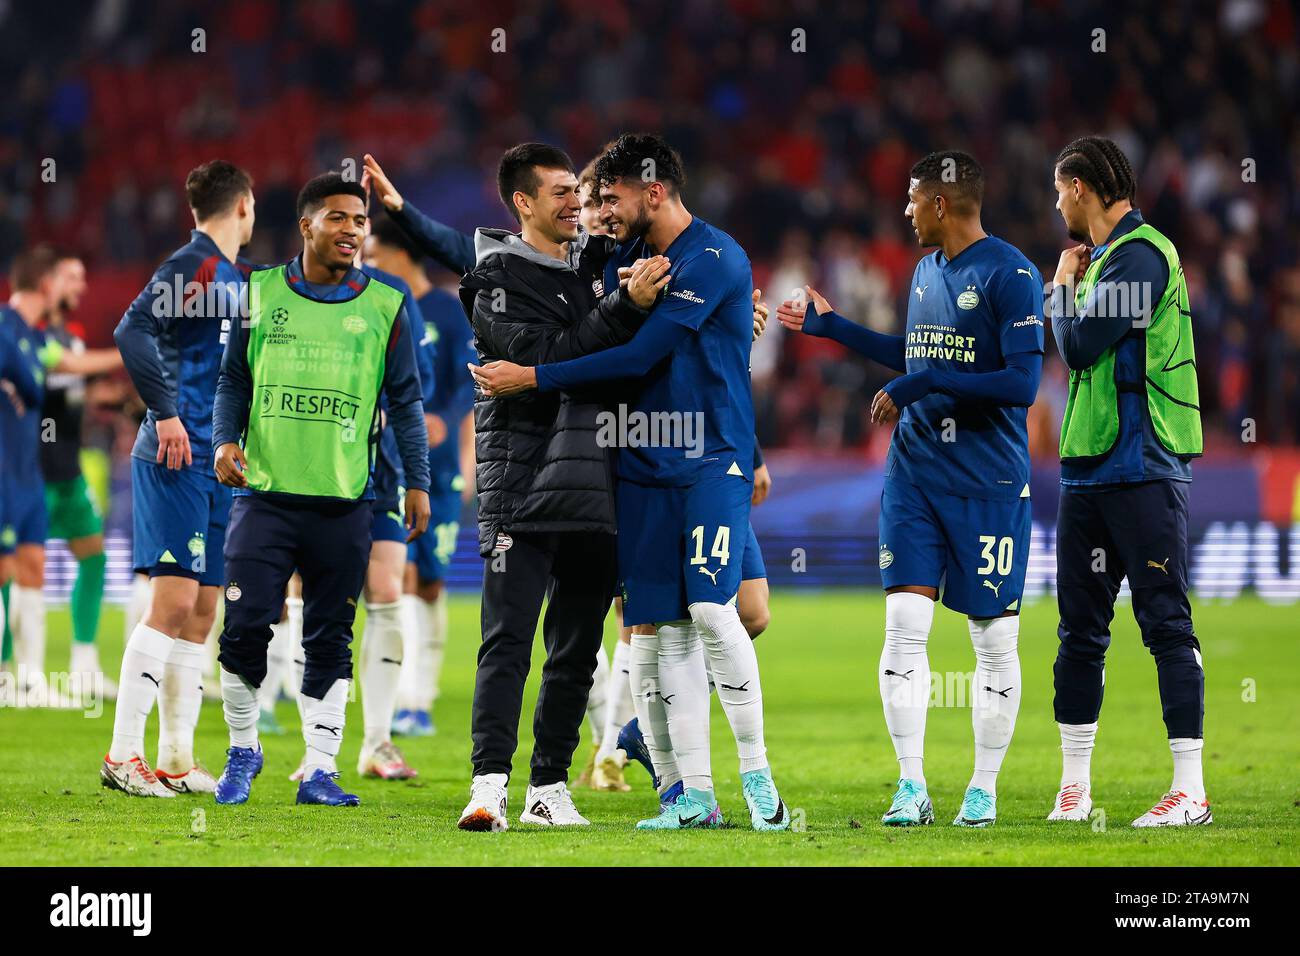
(449, 341)
(172, 338)
(967, 315)
(20, 434)
(695, 407)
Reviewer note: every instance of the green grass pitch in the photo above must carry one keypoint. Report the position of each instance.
(827, 742)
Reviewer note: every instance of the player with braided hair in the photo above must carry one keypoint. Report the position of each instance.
(1123, 324)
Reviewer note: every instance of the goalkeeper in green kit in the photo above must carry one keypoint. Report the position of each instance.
(295, 427)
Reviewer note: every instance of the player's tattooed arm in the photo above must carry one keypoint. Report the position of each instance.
(815, 316)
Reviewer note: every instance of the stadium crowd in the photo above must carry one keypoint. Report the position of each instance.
(798, 122)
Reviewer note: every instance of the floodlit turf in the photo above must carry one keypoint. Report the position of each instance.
(826, 737)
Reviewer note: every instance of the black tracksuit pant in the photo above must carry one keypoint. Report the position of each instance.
(1138, 531)
(329, 545)
(577, 570)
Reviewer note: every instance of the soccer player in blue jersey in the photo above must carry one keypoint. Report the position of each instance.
(22, 382)
(388, 619)
(171, 339)
(610, 702)
(685, 475)
(37, 290)
(955, 506)
(448, 343)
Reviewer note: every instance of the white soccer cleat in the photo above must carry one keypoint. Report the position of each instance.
(194, 780)
(1176, 809)
(133, 777)
(552, 806)
(1073, 802)
(385, 762)
(486, 809)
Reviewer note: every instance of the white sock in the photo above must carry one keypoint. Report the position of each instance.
(293, 677)
(179, 701)
(435, 613)
(411, 690)
(138, 604)
(28, 628)
(297, 657)
(322, 728)
(905, 678)
(144, 664)
(1077, 741)
(597, 698)
(996, 695)
(618, 700)
(734, 667)
(212, 646)
(239, 705)
(1187, 766)
(277, 661)
(381, 669)
(652, 716)
(685, 695)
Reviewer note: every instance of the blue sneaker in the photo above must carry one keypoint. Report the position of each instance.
(766, 808)
(632, 742)
(979, 808)
(911, 806)
(242, 765)
(423, 724)
(669, 797)
(322, 788)
(403, 723)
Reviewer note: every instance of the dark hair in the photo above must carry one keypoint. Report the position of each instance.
(31, 266)
(1101, 164)
(391, 234)
(320, 188)
(517, 171)
(215, 187)
(641, 156)
(956, 175)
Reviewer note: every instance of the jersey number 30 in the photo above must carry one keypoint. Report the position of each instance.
(1003, 560)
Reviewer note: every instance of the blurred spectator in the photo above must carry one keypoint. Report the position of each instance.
(801, 153)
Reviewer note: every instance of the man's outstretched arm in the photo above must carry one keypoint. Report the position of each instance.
(444, 245)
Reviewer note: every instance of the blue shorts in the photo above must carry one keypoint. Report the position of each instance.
(23, 518)
(179, 522)
(432, 551)
(386, 522)
(977, 549)
(752, 566)
(678, 546)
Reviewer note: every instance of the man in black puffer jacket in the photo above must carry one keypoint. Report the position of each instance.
(545, 486)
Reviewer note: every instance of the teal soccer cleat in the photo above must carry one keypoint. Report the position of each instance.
(767, 810)
(911, 806)
(979, 808)
(685, 814)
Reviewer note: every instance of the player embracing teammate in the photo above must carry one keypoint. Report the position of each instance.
(683, 512)
(955, 506)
